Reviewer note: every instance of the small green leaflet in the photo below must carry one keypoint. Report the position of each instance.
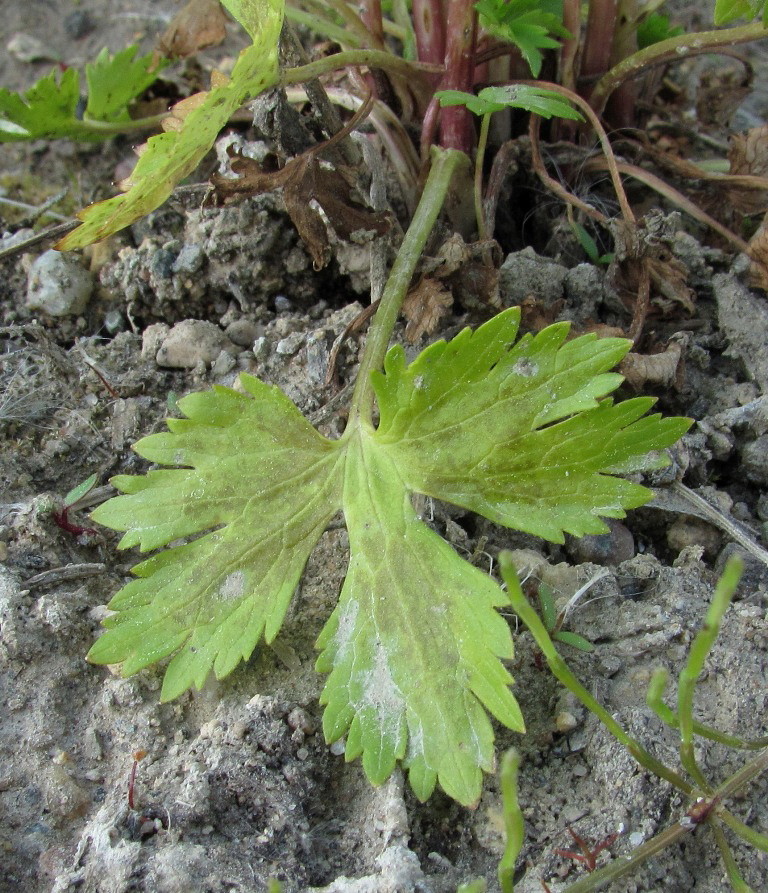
(538, 100)
(521, 432)
(115, 81)
(727, 11)
(169, 157)
(529, 24)
(48, 110)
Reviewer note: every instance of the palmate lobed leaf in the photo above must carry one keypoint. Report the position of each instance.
(522, 432)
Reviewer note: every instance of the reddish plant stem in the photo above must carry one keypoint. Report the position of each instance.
(456, 122)
(622, 106)
(429, 25)
(371, 16)
(598, 41)
(570, 46)
(62, 520)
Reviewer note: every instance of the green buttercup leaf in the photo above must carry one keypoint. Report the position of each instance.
(522, 432)
(49, 109)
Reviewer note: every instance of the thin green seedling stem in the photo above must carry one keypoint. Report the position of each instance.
(753, 838)
(563, 673)
(731, 869)
(321, 25)
(694, 666)
(482, 142)
(514, 828)
(114, 128)
(654, 699)
(444, 163)
(355, 58)
(667, 51)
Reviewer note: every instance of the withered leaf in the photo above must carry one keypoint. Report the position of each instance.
(663, 369)
(748, 154)
(758, 253)
(305, 181)
(200, 23)
(424, 306)
(719, 95)
(669, 276)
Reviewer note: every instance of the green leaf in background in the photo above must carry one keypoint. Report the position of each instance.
(115, 81)
(169, 157)
(729, 10)
(49, 109)
(521, 432)
(528, 24)
(655, 28)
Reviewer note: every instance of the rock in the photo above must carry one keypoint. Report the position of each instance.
(190, 259)
(524, 274)
(754, 458)
(58, 284)
(190, 342)
(27, 48)
(243, 332)
(603, 548)
(743, 318)
(78, 24)
(583, 291)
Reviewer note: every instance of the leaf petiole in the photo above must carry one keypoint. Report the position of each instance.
(444, 163)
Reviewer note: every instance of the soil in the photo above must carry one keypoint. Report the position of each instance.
(237, 785)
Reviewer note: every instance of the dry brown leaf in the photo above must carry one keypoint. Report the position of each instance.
(758, 252)
(174, 120)
(669, 277)
(719, 95)
(305, 181)
(748, 154)
(201, 23)
(663, 369)
(468, 270)
(424, 306)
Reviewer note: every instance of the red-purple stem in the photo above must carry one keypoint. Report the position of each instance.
(457, 129)
(429, 25)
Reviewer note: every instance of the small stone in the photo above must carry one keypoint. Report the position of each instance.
(261, 348)
(287, 347)
(58, 284)
(565, 722)
(223, 364)
(603, 548)
(26, 48)
(189, 260)
(152, 339)
(282, 304)
(754, 459)
(687, 531)
(78, 24)
(299, 719)
(242, 332)
(190, 342)
(525, 274)
(113, 322)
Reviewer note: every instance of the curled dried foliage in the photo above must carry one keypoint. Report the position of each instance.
(313, 193)
(201, 23)
(424, 306)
